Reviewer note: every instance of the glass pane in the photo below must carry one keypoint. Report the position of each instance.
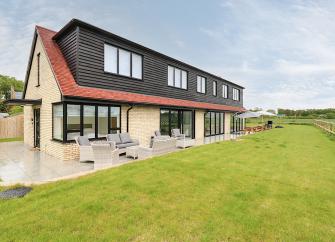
(174, 119)
(102, 121)
(164, 122)
(187, 123)
(207, 124)
(198, 84)
(58, 121)
(212, 123)
(136, 66)
(217, 123)
(110, 59)
(222, 123)
(115, 117)
(177, 80)
(203, 85)
(124, 62)
(73, 121)
(89, 121)
(170, 75)
(214, 88)
(184, 79)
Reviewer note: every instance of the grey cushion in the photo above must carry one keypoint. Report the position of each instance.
(83, 141)
(125, 138)
(158, 133)
(120, 146)
(114, 137)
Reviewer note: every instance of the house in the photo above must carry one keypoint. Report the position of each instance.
(83, 80)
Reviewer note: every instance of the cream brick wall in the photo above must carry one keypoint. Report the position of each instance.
(227, 123)
(199, 124)
(49, 92)
(143, 121)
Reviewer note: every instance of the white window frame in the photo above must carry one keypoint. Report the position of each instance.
(181, 81)
(236, 94)
(201, 84)
(225, 91)
(132, 75)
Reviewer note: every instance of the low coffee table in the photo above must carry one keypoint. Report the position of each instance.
(132, 151)
(183, 143)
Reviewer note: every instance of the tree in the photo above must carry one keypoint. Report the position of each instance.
(271, 111)
(6, 83)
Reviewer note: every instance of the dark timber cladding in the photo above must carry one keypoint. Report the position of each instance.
(83, 47)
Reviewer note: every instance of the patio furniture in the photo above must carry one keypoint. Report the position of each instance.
(121, 141)
(132, 151)
(175, 133)
(158, 135)
(184, 143)
(105, 153)
(85, 148)
(158, 147)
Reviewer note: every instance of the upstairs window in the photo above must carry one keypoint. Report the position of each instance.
(215, 89)
(177, 77)
(224, 91)
(201, 84)
(236, 94)
(38, 69)
(122, 62)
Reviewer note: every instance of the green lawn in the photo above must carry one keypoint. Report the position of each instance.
(278, 185)
(11, 139)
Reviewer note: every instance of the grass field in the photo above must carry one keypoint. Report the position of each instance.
(272, 186)
(280, 121)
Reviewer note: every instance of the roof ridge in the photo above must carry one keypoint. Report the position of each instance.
(41, 27)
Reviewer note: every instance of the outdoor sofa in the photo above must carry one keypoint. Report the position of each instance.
(121, 141)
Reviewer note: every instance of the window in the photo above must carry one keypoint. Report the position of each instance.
(93, 121)
(214, 123)
(38, 69)
(89, 121)
(136, 65)
(177, 77)
(236, 94)
(73, 121)
(102, 121)
(57, 122)
(215, 90)
(201, 84)
(122, 62)
(115, 126)
(224, 91)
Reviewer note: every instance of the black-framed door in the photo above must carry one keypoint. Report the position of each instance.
(37, 127)
(214, 123)
(177, 119)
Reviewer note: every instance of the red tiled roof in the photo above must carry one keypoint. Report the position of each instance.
(69, 87)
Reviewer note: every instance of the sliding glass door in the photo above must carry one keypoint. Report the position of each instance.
(214, 123)
(177, 119)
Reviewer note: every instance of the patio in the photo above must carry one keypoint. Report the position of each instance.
(22, 164)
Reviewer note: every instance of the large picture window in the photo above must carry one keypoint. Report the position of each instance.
(177, 77)
(122, 62)
(214, 123)
(94, 121)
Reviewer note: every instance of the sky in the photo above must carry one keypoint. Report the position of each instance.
(282, 52)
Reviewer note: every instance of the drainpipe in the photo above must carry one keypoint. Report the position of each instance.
(131, 107)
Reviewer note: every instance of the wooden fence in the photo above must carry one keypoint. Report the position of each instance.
(11, 127)
(325, 125)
